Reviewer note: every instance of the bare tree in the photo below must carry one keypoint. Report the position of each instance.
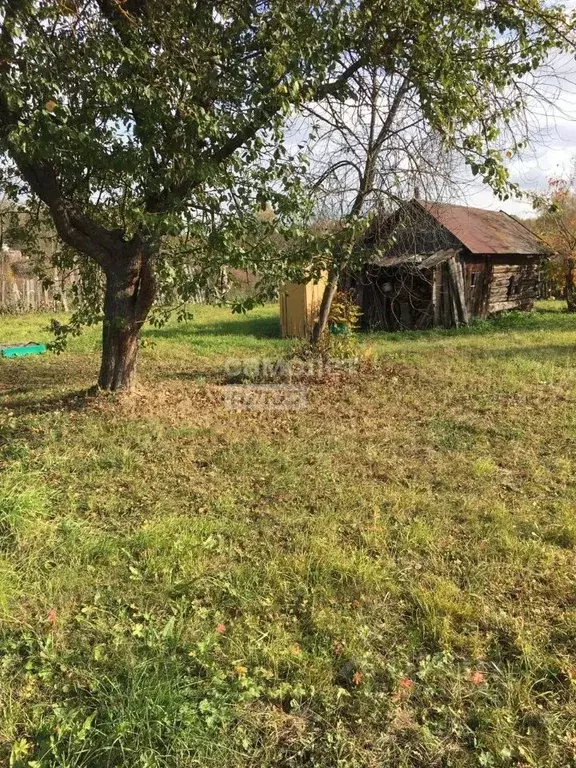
(372, 151)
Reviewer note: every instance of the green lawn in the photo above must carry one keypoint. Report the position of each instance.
(385, 578)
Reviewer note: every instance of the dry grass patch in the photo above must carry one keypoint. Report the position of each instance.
(384, 578)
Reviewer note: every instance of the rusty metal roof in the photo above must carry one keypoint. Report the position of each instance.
(485, 232)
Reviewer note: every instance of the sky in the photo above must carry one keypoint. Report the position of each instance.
(552, 141)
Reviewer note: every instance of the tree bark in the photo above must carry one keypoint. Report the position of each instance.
(130, 289)
(325, 306)
(571, 285)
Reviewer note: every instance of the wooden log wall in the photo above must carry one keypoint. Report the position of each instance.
(513, 286)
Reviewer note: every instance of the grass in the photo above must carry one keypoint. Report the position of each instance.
(384, 578)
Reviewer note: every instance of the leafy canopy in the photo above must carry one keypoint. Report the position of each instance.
(165, 120)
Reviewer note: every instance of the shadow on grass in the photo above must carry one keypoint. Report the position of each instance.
(560, 353)
(21, 376)
(45, 384)
(67, 401)
(239, 325)
(539, 319)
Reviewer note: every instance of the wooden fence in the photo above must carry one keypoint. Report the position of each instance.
(22, 291)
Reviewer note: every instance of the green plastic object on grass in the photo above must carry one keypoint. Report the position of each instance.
(20, 350)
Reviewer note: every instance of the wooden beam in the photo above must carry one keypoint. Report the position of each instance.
(457, 291)
(436, 294)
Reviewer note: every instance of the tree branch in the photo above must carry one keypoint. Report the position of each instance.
(372, 156)
(259, 120)
(74, 227)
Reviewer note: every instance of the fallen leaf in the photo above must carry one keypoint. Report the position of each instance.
(405, 686)
(477, 678)
(339, 649)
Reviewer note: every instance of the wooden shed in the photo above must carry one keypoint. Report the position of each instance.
(437, 264)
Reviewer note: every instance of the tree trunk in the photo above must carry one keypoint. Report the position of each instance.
(571, 285)
(325, 306)
(130, 288)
